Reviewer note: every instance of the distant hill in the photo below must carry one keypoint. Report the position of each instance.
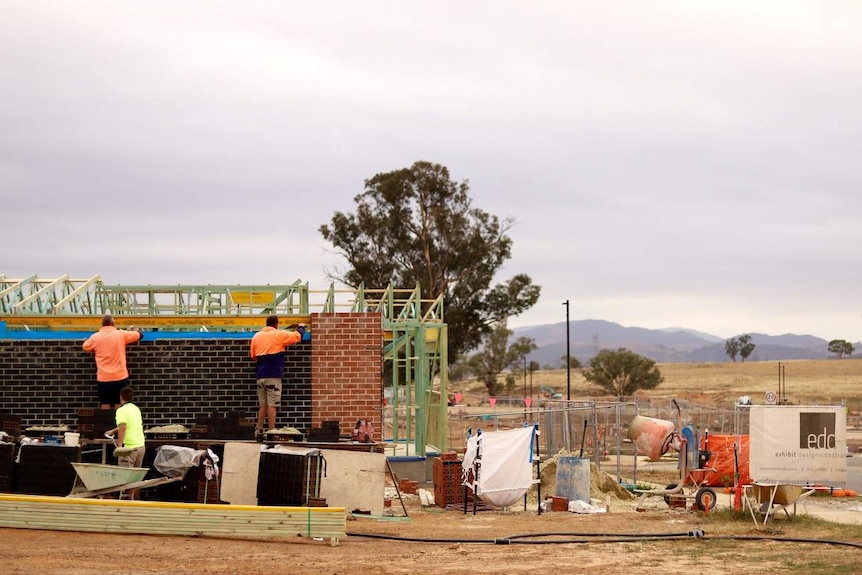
(669, 345)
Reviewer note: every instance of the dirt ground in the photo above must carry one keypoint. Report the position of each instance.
(438, 541)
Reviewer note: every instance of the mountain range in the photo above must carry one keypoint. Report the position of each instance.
(669, 345)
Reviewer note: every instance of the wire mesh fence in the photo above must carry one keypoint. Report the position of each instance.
(595, 430)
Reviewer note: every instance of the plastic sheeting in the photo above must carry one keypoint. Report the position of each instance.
(506, 468)
(722, 460)
(175, 461)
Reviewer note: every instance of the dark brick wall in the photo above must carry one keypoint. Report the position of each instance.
(46, 381)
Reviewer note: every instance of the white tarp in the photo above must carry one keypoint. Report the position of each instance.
(506, 468)
(798, 445)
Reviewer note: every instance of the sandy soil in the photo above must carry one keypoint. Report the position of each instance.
(435, 540)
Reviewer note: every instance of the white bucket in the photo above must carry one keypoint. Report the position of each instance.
(70, 438)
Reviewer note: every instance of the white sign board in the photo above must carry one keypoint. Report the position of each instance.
(798, 444)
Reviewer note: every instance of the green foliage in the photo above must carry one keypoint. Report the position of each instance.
(741, 346)
(417, 226)
(746, 347)
(510, 384)
(841, 347)
(622, 372)
(731, 348)
(574, 362)
(458, 371)
(498, 355)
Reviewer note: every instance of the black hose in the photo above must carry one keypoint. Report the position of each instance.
(603, 539)
(788, 539)
(696, 533)
(523, 539)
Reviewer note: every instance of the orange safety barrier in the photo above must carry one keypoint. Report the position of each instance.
(721, 459)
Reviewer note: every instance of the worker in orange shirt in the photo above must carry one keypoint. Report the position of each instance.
(267, 348)
(109, 346)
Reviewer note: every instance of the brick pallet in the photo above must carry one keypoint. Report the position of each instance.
(93, 423)
(11, 424)
(45, 470)
(233, 426)
(447, 481)
(7, 466)
(288, 479)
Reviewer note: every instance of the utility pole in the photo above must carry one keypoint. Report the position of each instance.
(568, 356)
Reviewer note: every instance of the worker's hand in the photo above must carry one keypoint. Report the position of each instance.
(301, 329)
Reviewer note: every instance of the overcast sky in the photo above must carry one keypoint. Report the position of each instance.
(688, 164)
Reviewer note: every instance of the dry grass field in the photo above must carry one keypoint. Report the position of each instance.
(826, 381)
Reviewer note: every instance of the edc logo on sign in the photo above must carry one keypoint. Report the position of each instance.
(816, 430)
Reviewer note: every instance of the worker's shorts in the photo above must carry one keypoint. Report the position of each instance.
(109, 391)
(133, 459)
(269, 392)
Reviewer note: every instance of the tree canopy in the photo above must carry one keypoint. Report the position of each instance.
(741, 346)
(498, 354)
(417, 226)
(731, 348)
(840, 347)
(746, 346)
(622, 372)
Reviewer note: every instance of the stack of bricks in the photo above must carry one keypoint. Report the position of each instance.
(7, 466)
(447, 480)
(216, 426)
(409, 487)
(93, 423)
(10, 424)
(208, 491)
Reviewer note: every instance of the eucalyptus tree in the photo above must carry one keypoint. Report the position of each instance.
(417, 226)
(623, 372)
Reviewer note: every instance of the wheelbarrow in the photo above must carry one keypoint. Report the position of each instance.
(767, 499)
(97, 479)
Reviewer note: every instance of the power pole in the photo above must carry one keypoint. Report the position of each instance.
(568, 356)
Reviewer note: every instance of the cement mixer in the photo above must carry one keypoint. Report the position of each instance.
(652, 437)
(655, 437)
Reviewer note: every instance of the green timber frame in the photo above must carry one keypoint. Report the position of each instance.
(414, 347)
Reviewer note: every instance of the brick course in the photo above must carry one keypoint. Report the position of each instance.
(46, 381)
(335, 376)
(346, 368)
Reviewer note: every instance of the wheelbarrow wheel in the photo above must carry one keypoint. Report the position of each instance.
(667, 497)
(705, 498)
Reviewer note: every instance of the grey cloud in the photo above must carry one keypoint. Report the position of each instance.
(699, 153)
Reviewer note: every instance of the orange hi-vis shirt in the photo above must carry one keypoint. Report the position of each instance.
(267, 347)
(109, 345)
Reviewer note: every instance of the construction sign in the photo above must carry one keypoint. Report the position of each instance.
(798, 445)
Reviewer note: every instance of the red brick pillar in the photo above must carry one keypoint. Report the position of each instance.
(346, 369)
